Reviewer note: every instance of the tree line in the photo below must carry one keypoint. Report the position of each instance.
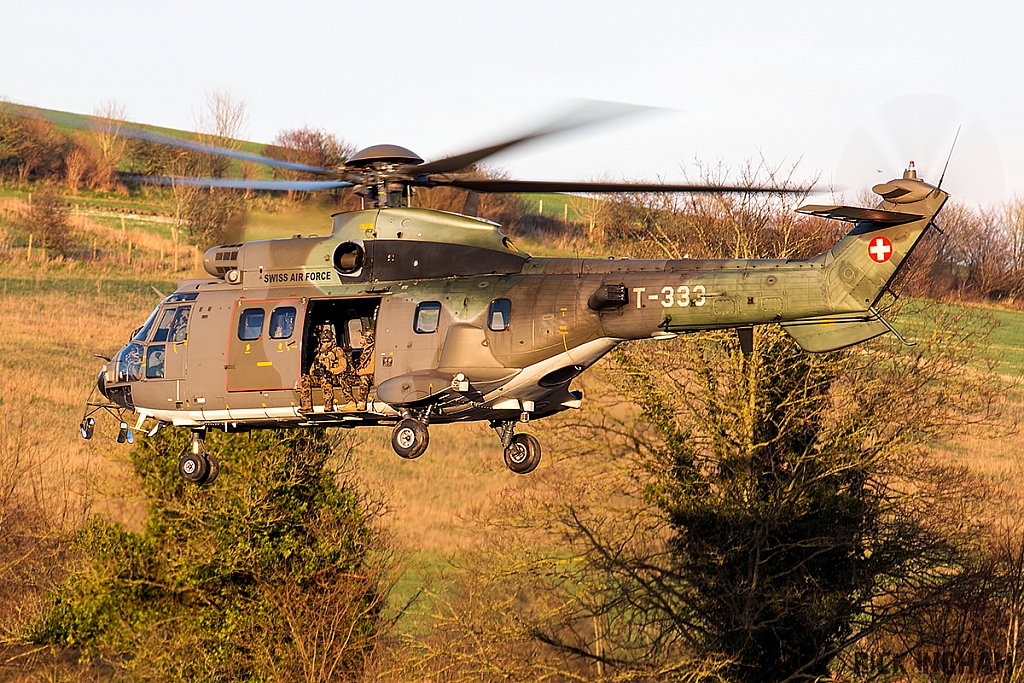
(977, 255)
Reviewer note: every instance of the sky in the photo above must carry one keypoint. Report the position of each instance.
(846, 92)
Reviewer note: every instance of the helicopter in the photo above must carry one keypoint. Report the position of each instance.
(435, 317)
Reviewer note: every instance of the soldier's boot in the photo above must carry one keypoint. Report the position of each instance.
(328, 398)
(305, 395)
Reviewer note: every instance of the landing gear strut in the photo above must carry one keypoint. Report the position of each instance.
(410, 438)
(198, 466)
(522, 451)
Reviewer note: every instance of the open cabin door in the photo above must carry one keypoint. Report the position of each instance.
(264, 344)
(353, 322)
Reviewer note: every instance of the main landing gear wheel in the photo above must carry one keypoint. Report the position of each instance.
(198, 466)
(410, 438)
(214, 469)
(522, 455)
(193, 467)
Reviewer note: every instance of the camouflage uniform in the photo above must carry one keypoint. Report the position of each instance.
(359, 377)
(329, 365)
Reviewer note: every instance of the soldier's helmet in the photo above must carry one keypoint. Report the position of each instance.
(327, 335)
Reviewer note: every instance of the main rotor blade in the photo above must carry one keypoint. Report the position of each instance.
(492, 185)
(586, 113)
(129, 131)
(240, 183)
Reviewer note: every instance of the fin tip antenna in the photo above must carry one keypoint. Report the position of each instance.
(950, 156)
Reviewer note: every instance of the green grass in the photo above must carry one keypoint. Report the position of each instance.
(19, 279)
(554, 205)
(1008, 340)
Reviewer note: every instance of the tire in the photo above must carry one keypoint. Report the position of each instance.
(213, 469)
(523, 455)
(410, 438)
(193, 468)
(88, 426)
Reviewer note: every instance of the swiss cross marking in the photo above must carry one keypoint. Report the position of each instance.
(880, 249)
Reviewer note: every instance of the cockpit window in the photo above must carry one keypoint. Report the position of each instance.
(155, 362)
(179, 328)
(129, 363)
(498, 316)
(143, 331)
(282, 322)
(164, 327)
(428, 315)
(250, 324)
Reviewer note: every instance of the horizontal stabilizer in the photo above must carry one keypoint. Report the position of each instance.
(818, 335)
(855, 214)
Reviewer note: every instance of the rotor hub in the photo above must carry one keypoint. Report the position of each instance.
(383, 153)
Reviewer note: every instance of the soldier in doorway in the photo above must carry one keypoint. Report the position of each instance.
(329, 366)
(359, 378)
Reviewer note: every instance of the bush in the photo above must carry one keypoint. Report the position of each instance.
(47, 219)
(272, 571)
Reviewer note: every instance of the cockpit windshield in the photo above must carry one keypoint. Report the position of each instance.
(129, 364)
(143, 331)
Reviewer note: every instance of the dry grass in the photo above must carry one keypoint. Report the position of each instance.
(47, 342)
(437, 502)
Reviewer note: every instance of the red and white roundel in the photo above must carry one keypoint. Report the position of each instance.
(880, 249)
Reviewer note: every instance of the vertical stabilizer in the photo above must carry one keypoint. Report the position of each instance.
(859, 268)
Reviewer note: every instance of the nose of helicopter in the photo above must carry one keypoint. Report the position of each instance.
(101, 383)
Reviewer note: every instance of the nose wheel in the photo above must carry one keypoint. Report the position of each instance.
(198, 466)
(410, 438)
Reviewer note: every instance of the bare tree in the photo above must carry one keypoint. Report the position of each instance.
(211, 214)
(110, 117)
(223, 119)
(309, 146)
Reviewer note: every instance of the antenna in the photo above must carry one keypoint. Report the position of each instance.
(955, 137)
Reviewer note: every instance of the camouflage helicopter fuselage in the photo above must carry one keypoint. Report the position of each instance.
(467, 327)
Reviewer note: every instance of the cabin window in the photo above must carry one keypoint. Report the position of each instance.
(155, 362)
(179, 328)
(164, 328)
(428, 315)
(282, 322)
(497, 318)
(250, 324)
(355, 333)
